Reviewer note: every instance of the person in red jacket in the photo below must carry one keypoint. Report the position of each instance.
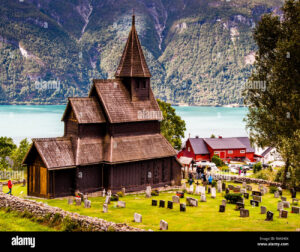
(9, 185)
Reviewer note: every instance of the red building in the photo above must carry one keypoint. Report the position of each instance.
(231, 148)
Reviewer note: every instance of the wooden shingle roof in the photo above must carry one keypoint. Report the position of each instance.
(133, 63)
(86, 110)
(119, 107)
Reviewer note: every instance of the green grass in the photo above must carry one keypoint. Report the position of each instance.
(11, 221)
(205, 217)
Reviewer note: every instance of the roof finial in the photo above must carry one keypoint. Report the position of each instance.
(133, 17)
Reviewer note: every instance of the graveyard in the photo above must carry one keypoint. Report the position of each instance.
(205, 216)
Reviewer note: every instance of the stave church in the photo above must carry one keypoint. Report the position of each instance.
(111, 138)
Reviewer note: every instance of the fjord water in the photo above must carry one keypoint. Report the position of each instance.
(35, 121)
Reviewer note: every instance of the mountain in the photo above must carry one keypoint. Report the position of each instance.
(200, 52)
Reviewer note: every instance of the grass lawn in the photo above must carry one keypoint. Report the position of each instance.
(13, 222)
(205, 217)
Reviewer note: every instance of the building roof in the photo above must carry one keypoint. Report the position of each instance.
(246, 141)
(185, 160)
(119, 107)
(55, 152)
(199, 146)
(266, 151)
(86, 110)
(133, 63)
(224, 143)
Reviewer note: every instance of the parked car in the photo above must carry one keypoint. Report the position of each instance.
(234, 170)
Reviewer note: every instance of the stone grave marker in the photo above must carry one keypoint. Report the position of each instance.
(295, 209)
(244, 212)
(224, 202)
(286, 204)
(121, 204)
(257, 198)
(191, 190)
(227, 190)
(78, 201)
(202, 190)
(237, 189)
(276, 194)
(295, 201)
(154, 202)
(280, 190)
(109, 193)
(246, 195)
(197, 191)
(263, 209)
(170, 204)
(249, 188)
(148, 192)
(87, 204)
(239, 206)
(230, 187)
(163, 225)
(243, 190)
(279, 206)
(256, 193)
(283, 214)
(182, 207)
(70, 201)
(254, 203)
(107, 200)
(213, 192)
(103, 193)
(283, 198)
(105, 208)
(85, 197)
(219, 186)
(269, 216)
(183, 186)
(244, 184)
(191, 202)
(203, 198)
(161, 203)
(208, 189)
(124, 191)
(137, 218)
(221, 208)
(24, 182)
(293, 193)
(175, 199)
(223, 186)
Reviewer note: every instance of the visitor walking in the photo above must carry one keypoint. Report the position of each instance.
(9, 185)
(210, 179)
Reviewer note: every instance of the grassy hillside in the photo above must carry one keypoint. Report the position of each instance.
(199, 51)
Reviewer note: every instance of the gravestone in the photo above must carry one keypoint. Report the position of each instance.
(105, 208)
(70, 201)
(244, 212)
(191, 190)
(293, 193)
(244, 184)
(295, 209)
(103, 193)
(107, 200)
(283, 198)
(182, 207)
(230, 187)
(257, 198)
(256, 193)
(109, 193)
(161, 203)
(219, 186)
(87, 204)
(203, 198)
(222, 209)
(213, 192)
(246, 195)
(242, 200)
(254, 203)
(197, 191)
(237, 189)
(170, 204)
(85, 197)
(276, 194)
(121, 204)
(202, 190)
(239, 206)
(148, 192)
(263, 209)
(243, 191)
(286, 204)
(224, 202)
(137, 218)
(24, 182)
(249, 188)
(279, 206)
(269, 216)
(283, 214)
(191, 202)
(183, 186)
(280, 190)
(154, 202)
(114, 197)
(163, 225)
(124, 191)
(295, 201)
(227, 190)
(208, 189)
(78, 201)
(223, 186)
(175, 199)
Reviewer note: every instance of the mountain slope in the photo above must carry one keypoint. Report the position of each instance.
(199, 51)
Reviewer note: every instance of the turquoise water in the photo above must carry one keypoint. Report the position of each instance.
(18, 121)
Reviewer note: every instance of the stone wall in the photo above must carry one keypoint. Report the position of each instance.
(39, 209)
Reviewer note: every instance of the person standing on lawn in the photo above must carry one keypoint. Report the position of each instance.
(9, 185)
(210, 179)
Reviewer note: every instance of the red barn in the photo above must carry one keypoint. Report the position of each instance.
(226, 148)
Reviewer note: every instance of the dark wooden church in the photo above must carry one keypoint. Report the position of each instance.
(111, 138)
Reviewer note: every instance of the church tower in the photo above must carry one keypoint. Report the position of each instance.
(133, 69)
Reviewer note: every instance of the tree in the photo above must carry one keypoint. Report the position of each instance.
(273, 91)
(18, 154)
(212, 136)
(217, 160)
(6, 148)
(172, 126)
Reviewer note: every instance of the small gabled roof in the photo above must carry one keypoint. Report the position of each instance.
(119, 107)
(133, 63)
(199, 146)
(266, 151)
(246, 141)
(86, 110)
(224, 143)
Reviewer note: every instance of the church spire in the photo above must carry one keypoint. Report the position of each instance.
(133, 63)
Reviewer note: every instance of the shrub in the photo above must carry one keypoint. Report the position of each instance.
(257, 167)
(233, 198)
(120, 194)
(69, 225)
(265, 174)
(114, 197)
(154, 193)
(217, 160)
(56, 219)
(273, 189)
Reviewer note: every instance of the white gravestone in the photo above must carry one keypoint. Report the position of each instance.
(148, 192)
(78, 201)
(105, 208)
(191, 188)
(197, 191)
(87, 204)
(163, 225)
(202, 190)
(213, 192)
(109, 193)
(121, 204)
(137, 218)
(103, 193)
(175, 199)
(203, 198)
(70, 201)
(107, 200)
